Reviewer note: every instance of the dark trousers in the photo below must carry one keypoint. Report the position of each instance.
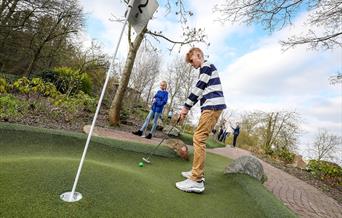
(219, 134)
(234, 140)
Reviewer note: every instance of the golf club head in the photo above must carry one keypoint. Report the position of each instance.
(146, 160)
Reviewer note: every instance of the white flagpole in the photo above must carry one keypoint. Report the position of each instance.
(76, 196)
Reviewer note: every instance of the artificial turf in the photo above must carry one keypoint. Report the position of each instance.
(37, 165)
(210, 143)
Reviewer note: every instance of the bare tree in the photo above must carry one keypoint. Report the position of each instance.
(92, 61)
(176, 75)
(14, 17)
(250, 121)
(92, 58)
(278, 14)
(325, 145)
(189, 79)
(189, 36)
(145, 70)
(35, 34)
(279, 129)
(225, 117)
(150, 86)
(64, 18)
(336, 79)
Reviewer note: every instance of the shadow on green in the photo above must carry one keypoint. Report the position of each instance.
(37, 165)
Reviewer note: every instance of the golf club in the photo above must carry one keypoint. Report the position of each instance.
(147, 159)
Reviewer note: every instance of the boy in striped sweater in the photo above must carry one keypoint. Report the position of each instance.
(208, 91)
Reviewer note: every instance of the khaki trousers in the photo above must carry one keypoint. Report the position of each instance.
(207, 122)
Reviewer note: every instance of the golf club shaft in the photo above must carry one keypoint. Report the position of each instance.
(155, 148)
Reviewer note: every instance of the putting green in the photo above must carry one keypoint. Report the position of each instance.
(37, 165)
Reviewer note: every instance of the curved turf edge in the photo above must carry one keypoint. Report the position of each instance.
(36, 133)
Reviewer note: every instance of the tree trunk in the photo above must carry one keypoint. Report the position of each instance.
(114, 112)
(33, 61)
(149, 93)
(268, 132)
(170, 105)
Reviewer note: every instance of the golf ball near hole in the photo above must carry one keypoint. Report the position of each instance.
(141, 164)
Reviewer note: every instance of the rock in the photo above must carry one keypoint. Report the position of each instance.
(160, 125)
(179, 147)
(247, 165)
(299, 162)
(86, 129)
(174, 132)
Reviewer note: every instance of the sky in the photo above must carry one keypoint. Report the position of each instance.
(256, 73)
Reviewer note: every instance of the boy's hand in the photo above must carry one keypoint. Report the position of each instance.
(153, 100)
(183, 113)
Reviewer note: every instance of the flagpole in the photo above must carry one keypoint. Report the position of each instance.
(76, 196)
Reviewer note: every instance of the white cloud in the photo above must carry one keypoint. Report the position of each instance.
(270, 71)
(103, 11)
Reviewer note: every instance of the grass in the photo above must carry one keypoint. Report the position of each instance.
(37, 165)
(211, 143)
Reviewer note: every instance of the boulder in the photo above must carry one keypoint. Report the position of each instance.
(299, 162)
(247, 165)
(174, 132)
(179, 147)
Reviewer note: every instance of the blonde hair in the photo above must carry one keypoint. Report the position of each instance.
(164, 82)
(191, 52)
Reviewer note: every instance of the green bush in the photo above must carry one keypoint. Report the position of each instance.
(75, 105)
(68, 81)
(37, 86)
(46, 89)
(22, 85)
(50, 90)
(244, 140)
(124, 114)
(11, 107)
(326, 171)
(285, 155)
(3, 85)
(89, 103)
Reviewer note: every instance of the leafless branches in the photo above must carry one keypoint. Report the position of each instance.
(336, 79)
(325, 145)
(324, 20)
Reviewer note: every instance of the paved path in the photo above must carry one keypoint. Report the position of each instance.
(120, 135)
(302, 198)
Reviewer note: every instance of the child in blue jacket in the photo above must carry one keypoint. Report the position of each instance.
(159, 100)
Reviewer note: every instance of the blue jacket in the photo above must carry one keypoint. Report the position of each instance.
(236, 130)
(161, 100)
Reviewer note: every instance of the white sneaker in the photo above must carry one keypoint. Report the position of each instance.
(189, 185)
(188, 174)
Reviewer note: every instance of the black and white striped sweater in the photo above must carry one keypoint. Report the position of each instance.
(208, 90)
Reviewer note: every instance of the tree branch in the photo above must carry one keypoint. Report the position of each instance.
(173, 41)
